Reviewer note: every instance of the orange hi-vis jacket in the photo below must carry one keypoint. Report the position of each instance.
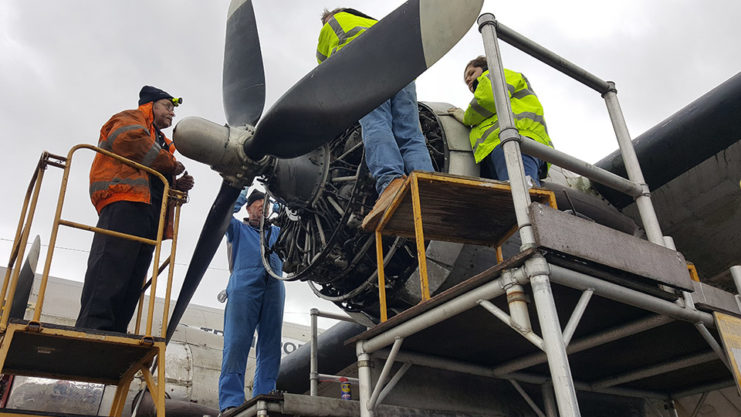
(131, 134)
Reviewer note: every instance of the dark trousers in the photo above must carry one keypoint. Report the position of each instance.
(117, 267)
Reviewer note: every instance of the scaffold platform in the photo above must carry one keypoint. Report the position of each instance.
(626, 313)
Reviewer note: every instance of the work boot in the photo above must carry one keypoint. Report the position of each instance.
(384, 201)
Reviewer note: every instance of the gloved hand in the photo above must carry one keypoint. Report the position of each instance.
(457, 112)
(184, 183)
(179, 168)
(221, 296)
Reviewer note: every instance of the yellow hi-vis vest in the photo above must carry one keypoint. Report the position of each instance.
(482, 114)
(341, 28)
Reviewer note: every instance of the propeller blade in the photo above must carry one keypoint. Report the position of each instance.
(244, 77)
(25, 281)
(361, 76)
(213, 231)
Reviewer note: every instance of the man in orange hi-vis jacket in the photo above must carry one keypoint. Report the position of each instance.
(128, 200)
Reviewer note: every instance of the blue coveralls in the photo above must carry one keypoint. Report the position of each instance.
(255, 302)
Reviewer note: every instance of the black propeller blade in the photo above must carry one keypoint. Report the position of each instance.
(244, 77)
(213, 231)
(362, 75)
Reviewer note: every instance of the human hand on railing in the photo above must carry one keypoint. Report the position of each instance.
(184, 183)
(221, 296)
(457, 113)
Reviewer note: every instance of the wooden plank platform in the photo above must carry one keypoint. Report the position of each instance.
(63, 352)
(459, 209)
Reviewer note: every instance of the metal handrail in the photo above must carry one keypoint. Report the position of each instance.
(27, 214)
(635, 185)
(314, 374)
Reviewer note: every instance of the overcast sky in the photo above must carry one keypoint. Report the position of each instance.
(67, 66)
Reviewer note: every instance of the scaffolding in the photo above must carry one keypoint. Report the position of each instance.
(640, 293)
(34, 348)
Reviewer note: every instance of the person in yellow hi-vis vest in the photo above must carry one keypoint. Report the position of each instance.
(481, 115)
(394, 143)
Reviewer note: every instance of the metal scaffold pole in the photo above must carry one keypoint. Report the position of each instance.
(508, 134)
(555, 349)
(632, 167)
(554, 346)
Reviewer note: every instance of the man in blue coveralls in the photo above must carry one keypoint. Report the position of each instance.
(255, 301)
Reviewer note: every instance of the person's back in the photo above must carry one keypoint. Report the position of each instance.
(394, 143)
(340, 28)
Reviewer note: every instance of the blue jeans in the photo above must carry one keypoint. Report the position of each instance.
(495, 167)
(394, 143)
(255, 303)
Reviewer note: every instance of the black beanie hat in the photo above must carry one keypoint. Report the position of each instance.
(149, 93)
(254, 196)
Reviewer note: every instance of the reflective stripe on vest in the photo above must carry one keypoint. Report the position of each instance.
(151, 155)
(343, 36)
(524, 115)
(107, 144)
(333, 37)
(103, 185)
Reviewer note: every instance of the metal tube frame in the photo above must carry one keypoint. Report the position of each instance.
(440, 313)
(384, 373)
(527, 398)
(562, 276)
(392, 383)
(700, 403)
(473, 369)
(655, 370)
(313, 364)
(551, 59)
(508, 133)
(364, 379)
(555, 349)
(632, 167)
(578, 166)
(517, 302)
(553, 337)
(506, 319)
(549, 400)
(579, 281)
(19, 246)
(337, 378)
(314, 375)
(719, 352)
(736, 275)
(584, 343)
(576, 315)
(490, 29)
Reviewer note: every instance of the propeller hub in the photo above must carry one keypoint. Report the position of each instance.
(220, 147)
(298, 182)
